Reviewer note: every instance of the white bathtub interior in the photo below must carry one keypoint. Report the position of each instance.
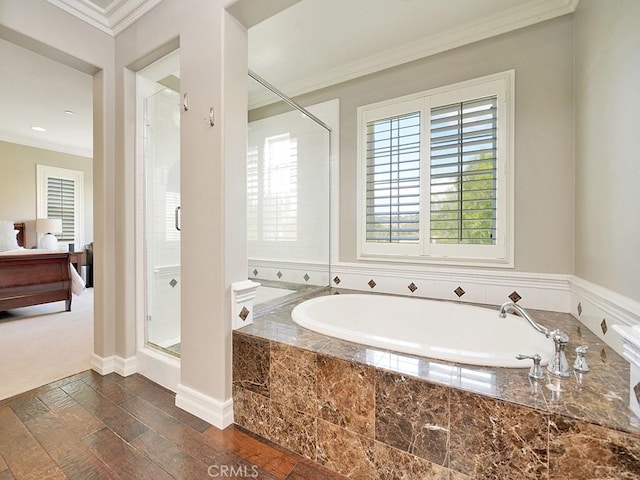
(436, 329)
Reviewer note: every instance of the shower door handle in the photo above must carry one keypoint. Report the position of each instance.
(177, 215)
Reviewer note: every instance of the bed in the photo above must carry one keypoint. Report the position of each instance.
(33, 277)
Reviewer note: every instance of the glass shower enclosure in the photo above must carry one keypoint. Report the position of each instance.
(158, 88)
(288, 196)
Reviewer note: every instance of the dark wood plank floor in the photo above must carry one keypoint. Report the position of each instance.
(88, 427)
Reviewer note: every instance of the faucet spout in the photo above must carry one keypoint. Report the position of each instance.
(558, 364)
(512, 307)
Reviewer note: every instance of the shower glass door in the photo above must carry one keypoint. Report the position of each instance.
(161, 147)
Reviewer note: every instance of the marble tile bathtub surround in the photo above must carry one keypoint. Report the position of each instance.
(368, 413)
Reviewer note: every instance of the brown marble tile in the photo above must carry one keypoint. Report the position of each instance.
(413, 416)
(453, 475)
(351, 352)
(251, 363)
(492, 439)
(292, 429)
(293, 377)
(345, 452)
(307, 471)
(3, 465)
(251, 411)
(346, 395)
(394, 464)
(583, 451)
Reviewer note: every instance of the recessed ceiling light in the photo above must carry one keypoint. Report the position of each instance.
(69, 112)
(38, 129)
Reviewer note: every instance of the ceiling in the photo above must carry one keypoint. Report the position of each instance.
(300, 49)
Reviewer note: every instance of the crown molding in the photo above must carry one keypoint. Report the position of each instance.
(113, 19)
(45, 145)
(512, 19)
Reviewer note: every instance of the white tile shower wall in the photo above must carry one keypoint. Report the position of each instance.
(317, 274)
(311, 238)
(545, 292)
(164, 328)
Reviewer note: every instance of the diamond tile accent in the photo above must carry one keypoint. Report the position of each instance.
(515, 296)
(579, 308)
(604, 327)
(412, 287)
(372, 283)
(603, 355)
(636, 390)
(255, 272)
(336, 280)
(459, 291)
(279, 274)
(173, 282)
(244, 313)
(306, 277)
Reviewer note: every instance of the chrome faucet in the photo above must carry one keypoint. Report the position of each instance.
(558, 365)
(510, 306)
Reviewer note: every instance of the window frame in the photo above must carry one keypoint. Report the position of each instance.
(43, 172)
(502, 252)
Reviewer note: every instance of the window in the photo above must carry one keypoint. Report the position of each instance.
(434, 174)
(272, 190)
(60, 195)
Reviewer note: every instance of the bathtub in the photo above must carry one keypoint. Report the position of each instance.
(430, 328)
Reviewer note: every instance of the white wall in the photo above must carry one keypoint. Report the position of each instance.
(607, 73)
(309, 241)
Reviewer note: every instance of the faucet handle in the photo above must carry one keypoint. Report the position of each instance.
(559, 337)
(535, 371)
(581, 365)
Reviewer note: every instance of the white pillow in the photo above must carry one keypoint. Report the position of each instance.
(8, 240)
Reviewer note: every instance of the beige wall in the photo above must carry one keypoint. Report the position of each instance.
(18, 184)
(607, 69)
(542, 56)
(213, 245)
(50, 31)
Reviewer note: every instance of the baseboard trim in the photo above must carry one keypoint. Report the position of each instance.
(113, 364)
(217, 413)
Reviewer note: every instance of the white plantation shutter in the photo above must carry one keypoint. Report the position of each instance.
(463, 172)
(61, 204)
(393, 179)
(435, 175)
(60, 194)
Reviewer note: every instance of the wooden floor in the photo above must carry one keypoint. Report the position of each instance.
(89, 427)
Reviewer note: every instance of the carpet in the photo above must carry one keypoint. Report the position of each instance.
(43, 343)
